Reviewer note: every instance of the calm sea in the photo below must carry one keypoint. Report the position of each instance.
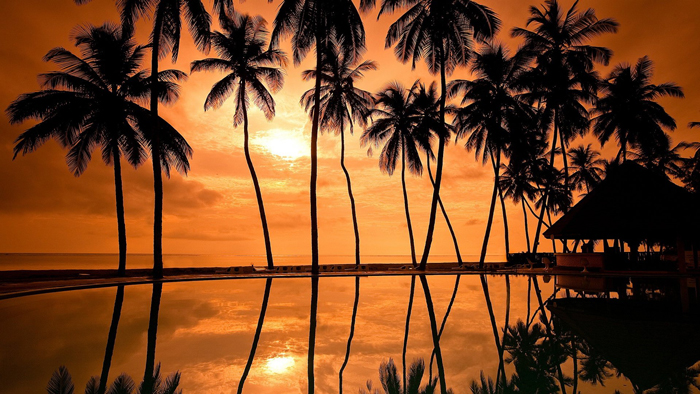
(41, 261)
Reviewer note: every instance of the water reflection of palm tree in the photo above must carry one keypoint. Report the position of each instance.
(111, 339)
(256, 338)
(408, 323)
(434, 331)
(312, 332)
(352, 333)
(150, 375)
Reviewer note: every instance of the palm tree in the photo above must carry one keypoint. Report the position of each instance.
(243, 55)
(256, 338)
(493, 112)
(165, 38)
(563, 78)
(395, 124)
(342, 104)
(517, 183)
(93, 102)
(441, 32)
(587, 167)
(61, 382)
(312, 23)
(628, 109)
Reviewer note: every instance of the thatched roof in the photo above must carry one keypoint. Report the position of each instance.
(632, 203)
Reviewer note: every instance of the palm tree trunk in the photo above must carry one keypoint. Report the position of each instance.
(155, 153)
(314, 147)
(503, 208)
(527, 231)
(405, 334)
(436, 339)
(121, 225)
(566, 165)
(256, 184)
(438, 170)
(485, 244)
(546, 190)
(405, 204)
(447, 219)
(352, 333)
(554, 243)
(111, 339)
(256, 338)
(312, 332)
(548, 330)
(501, 365)
(148, 375)
(352, 198)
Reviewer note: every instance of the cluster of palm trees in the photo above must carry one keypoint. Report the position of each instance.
(520, 112)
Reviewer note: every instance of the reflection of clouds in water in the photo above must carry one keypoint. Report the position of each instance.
(206, 330)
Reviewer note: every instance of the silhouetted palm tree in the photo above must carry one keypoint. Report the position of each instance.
(518, 184)
(628, 109)
(256, 338)
(493, 112)
(342, 104)
(441, 32)
(563, 78)
(246, 60)
(165, 38)
(587, 167)
(690, 170)
(61, 382)
(351, 335)
(314, 23)
(389, 379)
(93, 102)
(395, 123)
(111, 339)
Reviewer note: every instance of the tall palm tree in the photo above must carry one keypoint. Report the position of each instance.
(246, 60)
(628, 109)
(165, 39)
(493, 112)
(93, 102)
(441, 32)
(312, 23)
(342, 104)
(587, 167)
(395, 125)
(517, 184)
(563, 79)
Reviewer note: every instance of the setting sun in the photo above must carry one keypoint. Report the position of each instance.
(288, 145)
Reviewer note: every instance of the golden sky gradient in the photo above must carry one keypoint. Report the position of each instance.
(43, 208)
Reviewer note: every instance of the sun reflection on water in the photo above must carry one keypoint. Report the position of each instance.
(280, 364)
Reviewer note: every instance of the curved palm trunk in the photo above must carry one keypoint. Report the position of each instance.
(111, 339)
(405, 204)
(155, 154)
(485, 244)
(314, 147)
(546, 191)
(436, 339)
(147, 386)
(564, 158)
(549, 330)
(121, 225)
(256, 338)
(444, 319)
(352, 333)
(527, 231)
(405, 335)
(496, 171)
(256, 184)
(312, 332)
(438, 170)
(501, 365)
(352, 198)
(447, 219)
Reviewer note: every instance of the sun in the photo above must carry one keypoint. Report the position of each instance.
(286, 144)
(279, 364)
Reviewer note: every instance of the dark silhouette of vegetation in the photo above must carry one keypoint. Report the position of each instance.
(441, 32)
(61, 382)
(94, 102)
(351, 335)
(256, 338)
(244, 56)
(342, 104)
(389, 379)
(111, 339)
(312, 333)
(151, 380)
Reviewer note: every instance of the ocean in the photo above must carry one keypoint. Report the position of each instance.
(47, 261)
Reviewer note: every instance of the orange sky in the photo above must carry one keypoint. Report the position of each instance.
(43, 208)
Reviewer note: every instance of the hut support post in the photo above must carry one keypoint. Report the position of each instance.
(680, 246)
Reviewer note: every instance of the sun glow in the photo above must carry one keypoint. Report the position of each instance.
(279, 364)
(288, 145)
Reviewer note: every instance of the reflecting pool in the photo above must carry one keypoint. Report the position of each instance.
(467, 334)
